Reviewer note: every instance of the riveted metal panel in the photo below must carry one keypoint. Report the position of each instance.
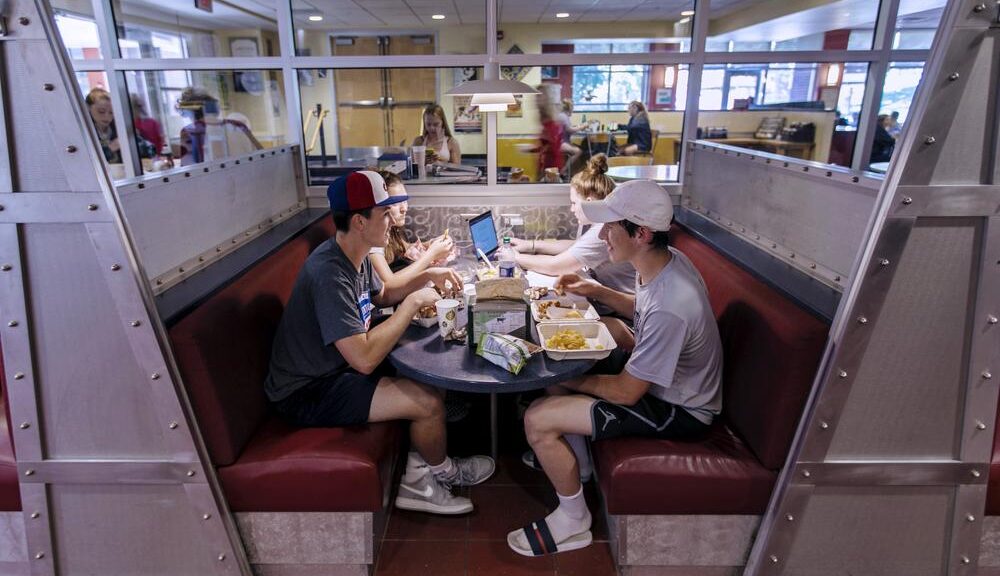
(84, 380)
(144, 515)
(921, 313)
(825, 541)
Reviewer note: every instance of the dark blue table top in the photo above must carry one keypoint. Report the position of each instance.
(424, 356)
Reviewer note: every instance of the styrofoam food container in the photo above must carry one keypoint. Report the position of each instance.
(595, 333)
(558, 314)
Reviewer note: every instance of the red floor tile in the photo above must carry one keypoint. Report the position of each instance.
(428, 558)
(500, 509)
(407, 525)
(512, 472)
(594, 560)
(495, 558)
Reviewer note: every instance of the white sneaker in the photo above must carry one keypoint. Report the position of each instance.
(427, 494)
(469, 471)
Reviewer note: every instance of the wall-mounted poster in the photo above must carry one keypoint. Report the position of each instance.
(515, 110)
(550, 72)
(467, 74)
(514, 72)
(467, 117)
(664, 96)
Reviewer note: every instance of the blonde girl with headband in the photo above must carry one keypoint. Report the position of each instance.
(436, 136)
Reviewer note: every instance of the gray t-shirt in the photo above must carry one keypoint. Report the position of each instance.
(677, 345)
(592, 253)
(331, 300)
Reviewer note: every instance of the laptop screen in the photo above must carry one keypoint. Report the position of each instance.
(484, 233)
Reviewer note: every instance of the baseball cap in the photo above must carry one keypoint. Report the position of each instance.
(641, 202)
(360, 190)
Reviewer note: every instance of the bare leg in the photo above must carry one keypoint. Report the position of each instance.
(423, 406)
(546, 422)
(621, 333)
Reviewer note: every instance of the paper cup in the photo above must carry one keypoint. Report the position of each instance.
(447, 310)
(420, 159)
(469, 291)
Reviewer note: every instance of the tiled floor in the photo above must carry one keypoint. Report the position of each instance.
(476, 544)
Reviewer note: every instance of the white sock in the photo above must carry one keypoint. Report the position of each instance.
(571, 517)
(416, 467)
(444, 469)
(578, 442)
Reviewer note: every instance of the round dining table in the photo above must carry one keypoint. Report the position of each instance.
(656, 172)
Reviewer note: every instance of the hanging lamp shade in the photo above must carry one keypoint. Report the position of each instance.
(492, 95)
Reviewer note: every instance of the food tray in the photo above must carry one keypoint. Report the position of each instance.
(558, 314)
(594, 332)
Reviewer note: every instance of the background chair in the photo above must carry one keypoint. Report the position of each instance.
(643, 160)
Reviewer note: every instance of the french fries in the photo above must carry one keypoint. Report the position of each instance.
(567, 339)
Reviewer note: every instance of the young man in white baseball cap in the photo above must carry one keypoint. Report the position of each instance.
(326, 355)
(670, 385)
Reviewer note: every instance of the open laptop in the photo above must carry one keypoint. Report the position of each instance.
(484, 233)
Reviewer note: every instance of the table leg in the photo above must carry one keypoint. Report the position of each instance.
(493, 425)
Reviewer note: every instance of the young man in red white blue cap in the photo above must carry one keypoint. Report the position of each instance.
(670, 386)
(326, 360)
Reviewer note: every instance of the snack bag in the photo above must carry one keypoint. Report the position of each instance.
(506, 351)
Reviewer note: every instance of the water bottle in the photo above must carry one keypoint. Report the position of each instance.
(507, 259)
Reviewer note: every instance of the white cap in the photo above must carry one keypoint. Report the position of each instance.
(641, 202)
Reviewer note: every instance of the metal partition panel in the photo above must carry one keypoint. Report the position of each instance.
(804, 212)
(114, 477)
(888, 471)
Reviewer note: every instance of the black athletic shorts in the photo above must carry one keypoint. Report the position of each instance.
(341, 400)
(650, 416)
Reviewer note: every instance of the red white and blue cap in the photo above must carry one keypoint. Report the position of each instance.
(359, 191)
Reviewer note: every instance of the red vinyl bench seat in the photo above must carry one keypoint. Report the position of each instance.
(772, 349)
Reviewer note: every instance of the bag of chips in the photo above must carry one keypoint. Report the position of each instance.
(506, 351)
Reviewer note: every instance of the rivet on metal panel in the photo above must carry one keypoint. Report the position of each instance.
(206, 516)
(805, 168)
(18, 375)
(35, 515)
(792, 255)
(201, 258)
(181, 270)
(172, 425)
(855, 179)
(883, 261)
(789, 517)
(829, 173)
(23, 21)
(774, 559)
(806, 473)
(154, 376)
(836, 278)
(234, 240)
(1, 210)
(29, 472)
(135, 323)
(786, 164)
(5, 267)
(980, 425)
(25, 425)
(187, 174)
(116, 267)
(930, 140)
(159, 282)
(165, 179)
(970, 518)
(40, 555)
(975, 473)
(742, 229)
(842, 374)
(218, 249)
(768, 161)
(190, 473)
(48, 87)
(979, 7)
(812, 266)
(987, 375)
(222, 165)
(222, 557)
(773, 245)
(954, 76)
(965, 560)
(91, 207)
(824, 425)
(907, 200)
(991, 319)
(756, 236)
(12, 323)
(71, 149)
(862, 320)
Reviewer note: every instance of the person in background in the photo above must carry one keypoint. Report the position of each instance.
(588, 252)
(207, 129)
(328, 359)
(145, 126)
(640, 136)
(670, 386)
(550, 140)
(442, 147)
(570, 150)
(101, 113)
(884, 143)
(400, 261)
(894, 128)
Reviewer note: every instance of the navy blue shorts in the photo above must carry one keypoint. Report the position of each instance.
(649, 417)
(341, 400)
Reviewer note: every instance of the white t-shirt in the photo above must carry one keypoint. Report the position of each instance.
(592, 253)
(677, 345)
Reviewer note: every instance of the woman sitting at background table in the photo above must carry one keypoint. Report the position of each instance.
(401, 261)
(640, 136)
(557, 257)
(436, 136)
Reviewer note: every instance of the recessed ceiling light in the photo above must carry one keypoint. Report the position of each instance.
(562, 15)
(687, 13)
(437, 17)
(315, 18)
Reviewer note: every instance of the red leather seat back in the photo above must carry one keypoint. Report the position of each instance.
(772, 349)
(224, 346)
(10, 493)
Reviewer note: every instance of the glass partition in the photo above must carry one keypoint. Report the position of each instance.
(237, 28)
(390, 28)
(594, 28)
(183, 117)
(916, 23)
(901, 81)
(375, 116)
(791, 26)
(77, 28)
(630, 113)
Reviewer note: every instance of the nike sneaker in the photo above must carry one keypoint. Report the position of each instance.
(469, 471)
(427, 494)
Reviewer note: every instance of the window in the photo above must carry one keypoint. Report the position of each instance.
(788, 26)
(79, 34)
(609, 87)
(852, 91)
(901, 81)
